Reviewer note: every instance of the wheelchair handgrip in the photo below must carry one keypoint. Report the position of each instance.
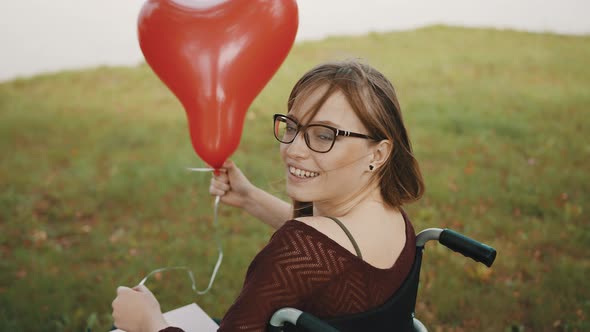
(312, 323)
(468, 247)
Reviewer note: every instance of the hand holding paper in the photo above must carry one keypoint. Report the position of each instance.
(190, 318)
(137, 309)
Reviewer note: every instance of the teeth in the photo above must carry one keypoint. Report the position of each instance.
(301, 173)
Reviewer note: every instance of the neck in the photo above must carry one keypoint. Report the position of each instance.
(350, 204)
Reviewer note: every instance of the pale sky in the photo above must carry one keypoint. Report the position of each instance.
(50, 35)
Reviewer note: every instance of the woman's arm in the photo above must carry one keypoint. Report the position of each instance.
(268, 208)
(235, 190)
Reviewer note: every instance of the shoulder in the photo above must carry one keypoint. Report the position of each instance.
(318, 228)
(299, 232)
(298, 242)
(330, 229)
(323, 225)
(313, 221)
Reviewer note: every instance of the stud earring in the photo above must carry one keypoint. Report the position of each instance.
(371, 167)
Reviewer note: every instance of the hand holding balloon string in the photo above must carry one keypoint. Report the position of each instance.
(217, 240)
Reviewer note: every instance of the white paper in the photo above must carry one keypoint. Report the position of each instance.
(190, 318)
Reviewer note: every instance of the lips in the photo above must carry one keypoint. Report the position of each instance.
(302, 173)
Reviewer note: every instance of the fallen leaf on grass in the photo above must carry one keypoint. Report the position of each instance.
(21, 274)
(572, 210)
(457, 225)
(86, 229)
(516, 212)
(423, 312)
(5, 251)
(537, 254)
(472, 324)
(478, 272)
(133, 252)
(470, 168)
(65, 242)
(117, 235)
(44, 206)
(453, 186)
(236, 228)
(39, 236)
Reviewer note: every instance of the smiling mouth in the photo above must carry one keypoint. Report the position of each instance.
(302, 174)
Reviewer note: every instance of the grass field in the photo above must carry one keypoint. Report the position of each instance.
(93, 191)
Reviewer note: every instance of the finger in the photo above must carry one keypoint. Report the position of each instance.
(114, 304)
(220, 185)
(223, 177)
(122, 289)
(219, 181)
(115, 318)
(229, 165)
(216, 192)
(141, 289)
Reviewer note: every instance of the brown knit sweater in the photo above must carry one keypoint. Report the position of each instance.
(303, 268)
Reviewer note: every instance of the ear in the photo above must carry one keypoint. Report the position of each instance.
(381, 152)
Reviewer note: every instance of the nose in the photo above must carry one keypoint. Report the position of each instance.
(298, 148)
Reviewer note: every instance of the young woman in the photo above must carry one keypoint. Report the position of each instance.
(344, 245)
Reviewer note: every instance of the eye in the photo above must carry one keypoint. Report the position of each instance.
(325, 136)
(291, 128)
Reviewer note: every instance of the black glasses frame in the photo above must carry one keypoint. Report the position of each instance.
(337, 132)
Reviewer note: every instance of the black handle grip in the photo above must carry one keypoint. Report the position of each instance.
(313, 323)
(468, 247)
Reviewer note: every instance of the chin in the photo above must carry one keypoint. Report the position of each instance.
(294, 194)
(297, 194)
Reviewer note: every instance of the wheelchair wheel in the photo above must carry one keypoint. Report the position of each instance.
(418, 326)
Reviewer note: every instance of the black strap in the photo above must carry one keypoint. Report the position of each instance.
(356, 247)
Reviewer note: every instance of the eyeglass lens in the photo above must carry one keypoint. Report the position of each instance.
(317, 137)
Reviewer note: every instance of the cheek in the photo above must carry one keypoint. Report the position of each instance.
(345, 168)
(283, 151)
(342, 160)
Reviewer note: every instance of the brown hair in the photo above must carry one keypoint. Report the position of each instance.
(373, 98)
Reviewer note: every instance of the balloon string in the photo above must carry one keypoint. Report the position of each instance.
(219, 249)
(200, 169)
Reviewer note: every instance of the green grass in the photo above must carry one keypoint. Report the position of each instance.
(93, 191)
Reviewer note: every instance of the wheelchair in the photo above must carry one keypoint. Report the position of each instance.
(397, 313)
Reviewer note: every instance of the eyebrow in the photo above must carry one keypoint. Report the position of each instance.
(326, 122)
(329, 123)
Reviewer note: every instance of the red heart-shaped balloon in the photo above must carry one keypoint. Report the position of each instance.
(216, 56)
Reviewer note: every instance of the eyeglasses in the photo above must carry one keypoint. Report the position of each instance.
(318, 137)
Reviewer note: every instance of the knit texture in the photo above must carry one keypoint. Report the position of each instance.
(303, 268)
